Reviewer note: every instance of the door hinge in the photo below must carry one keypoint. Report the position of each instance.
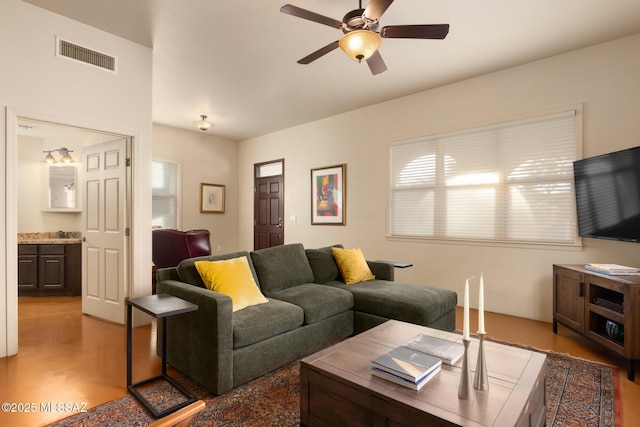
(127, 231)
(128, 162)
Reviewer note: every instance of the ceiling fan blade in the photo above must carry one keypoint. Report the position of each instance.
(415, 31)
(311, 16)
(376, 63)
(376, 8)
(320, 52)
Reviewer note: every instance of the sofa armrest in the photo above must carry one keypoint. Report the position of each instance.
(383, 270)
(200, 343)
(163, 274)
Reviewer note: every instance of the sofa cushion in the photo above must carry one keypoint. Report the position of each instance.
(259, 322)
(188, 273)
(318, 301)
(408, 302)
(232, 277)
(323, 264)
(281, 267)
(353, 266)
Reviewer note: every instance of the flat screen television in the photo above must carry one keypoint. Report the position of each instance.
(607, 189)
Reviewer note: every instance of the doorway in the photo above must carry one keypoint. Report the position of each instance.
(268, 223)
(103, 289)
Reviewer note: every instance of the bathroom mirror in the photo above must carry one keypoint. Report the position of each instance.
(62, 188)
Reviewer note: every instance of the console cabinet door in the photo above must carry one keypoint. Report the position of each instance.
(568, 298)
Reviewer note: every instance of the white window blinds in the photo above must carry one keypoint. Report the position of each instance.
(164, 194)
(508, 182)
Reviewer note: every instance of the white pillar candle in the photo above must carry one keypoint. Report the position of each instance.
(465, 320)
(481, 307)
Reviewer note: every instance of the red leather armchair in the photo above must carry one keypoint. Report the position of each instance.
(170, 246)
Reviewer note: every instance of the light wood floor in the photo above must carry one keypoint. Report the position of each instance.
(71, 358)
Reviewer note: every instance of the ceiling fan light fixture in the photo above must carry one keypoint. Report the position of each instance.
(203, 124)
(360, 44)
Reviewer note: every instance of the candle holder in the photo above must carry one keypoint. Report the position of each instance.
(465, 391)
(481, 380)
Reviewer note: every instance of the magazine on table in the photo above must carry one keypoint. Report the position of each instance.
(613, 269)
(449, 351)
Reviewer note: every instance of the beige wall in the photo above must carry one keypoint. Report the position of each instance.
(518, 280)
(206, 158)
(36, 84)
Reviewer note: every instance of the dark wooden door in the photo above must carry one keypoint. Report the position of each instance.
(269, 212)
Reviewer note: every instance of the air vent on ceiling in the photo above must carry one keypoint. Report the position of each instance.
(85, 55)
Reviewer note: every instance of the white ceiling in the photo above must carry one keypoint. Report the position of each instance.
(236, 60)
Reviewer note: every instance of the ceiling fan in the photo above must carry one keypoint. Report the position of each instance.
(362, 38)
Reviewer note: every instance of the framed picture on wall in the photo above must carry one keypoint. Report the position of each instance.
(329, 195)
(211, 198)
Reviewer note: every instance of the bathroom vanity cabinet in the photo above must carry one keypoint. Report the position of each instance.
(49, 269)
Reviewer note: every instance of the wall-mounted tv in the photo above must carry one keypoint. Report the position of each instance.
(608, 195)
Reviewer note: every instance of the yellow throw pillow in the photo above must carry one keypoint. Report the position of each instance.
(231, 277)
(352, 265)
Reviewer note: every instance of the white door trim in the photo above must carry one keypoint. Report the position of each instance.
(9, 298)
(8, 286)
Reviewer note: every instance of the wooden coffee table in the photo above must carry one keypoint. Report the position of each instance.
(337, 388)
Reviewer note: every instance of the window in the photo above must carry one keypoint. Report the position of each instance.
(165, 194)
(506, 182)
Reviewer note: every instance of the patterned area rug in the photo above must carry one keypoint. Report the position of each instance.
(581, 393)
(578, 393)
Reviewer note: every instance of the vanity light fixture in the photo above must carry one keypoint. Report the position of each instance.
(64, 152)
(49, 158)
(203, 124)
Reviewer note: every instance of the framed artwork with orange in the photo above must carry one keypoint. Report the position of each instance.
(329, 195)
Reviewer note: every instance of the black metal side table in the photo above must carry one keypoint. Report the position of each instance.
(159, 306)
(398, 264)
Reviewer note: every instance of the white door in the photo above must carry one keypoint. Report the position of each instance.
(104, 224)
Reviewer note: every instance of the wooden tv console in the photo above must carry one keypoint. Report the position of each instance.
(584, 301)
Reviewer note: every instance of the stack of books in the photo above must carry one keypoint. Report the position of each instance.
(613, 269)
(416, 362)
(406, 367)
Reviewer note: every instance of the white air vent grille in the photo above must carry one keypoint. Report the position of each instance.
(79, 53)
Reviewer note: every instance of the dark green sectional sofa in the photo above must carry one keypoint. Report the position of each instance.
(309, 308)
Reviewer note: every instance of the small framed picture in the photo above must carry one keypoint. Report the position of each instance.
(211, 198)
(329, 195)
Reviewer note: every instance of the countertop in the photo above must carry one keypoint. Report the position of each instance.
(49, 238)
